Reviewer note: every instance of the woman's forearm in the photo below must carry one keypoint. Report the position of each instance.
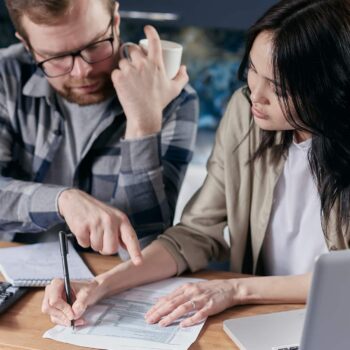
(273, 289)
(157, 264)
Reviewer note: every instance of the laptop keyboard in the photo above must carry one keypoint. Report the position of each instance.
(293, 347)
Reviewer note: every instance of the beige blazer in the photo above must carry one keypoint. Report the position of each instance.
(236, 194)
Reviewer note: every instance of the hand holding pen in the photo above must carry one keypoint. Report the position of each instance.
(63, 238)
(65, 301)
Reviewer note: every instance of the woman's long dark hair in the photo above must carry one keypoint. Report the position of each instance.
(311, 62)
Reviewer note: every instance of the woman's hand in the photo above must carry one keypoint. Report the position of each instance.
(211, 297)
(202, 298)
(55, 305)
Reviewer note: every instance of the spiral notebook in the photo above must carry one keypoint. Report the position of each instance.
(35, 265)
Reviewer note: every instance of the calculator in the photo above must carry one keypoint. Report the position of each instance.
(9, 294)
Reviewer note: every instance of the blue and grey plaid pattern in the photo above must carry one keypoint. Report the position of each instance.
(141, 177)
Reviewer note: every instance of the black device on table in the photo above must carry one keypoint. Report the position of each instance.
(9, 295)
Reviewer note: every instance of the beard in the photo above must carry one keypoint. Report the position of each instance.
(103, 91)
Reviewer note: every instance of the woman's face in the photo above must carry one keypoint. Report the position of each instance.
(264, 89)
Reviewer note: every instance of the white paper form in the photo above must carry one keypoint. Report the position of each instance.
(118, 323)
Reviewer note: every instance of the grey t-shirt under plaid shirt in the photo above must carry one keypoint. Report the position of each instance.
(141, 177)
(79, 124)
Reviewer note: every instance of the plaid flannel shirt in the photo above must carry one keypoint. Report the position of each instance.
(141, 177)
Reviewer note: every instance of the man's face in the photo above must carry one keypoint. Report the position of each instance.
(86, 23)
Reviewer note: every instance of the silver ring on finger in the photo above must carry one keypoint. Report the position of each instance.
(193, 303)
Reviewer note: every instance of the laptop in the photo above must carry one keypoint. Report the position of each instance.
(323, 325)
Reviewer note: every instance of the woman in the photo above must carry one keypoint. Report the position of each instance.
(278, 177)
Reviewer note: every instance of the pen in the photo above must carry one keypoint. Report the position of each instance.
(63, 237)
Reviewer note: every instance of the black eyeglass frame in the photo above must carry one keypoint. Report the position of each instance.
(76, 53)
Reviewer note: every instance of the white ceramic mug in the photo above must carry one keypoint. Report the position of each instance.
(172, 53)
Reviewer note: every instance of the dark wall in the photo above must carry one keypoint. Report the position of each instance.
(228, 14)
(231, 14)
(6, 28)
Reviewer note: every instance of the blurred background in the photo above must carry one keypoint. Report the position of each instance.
(213, 36)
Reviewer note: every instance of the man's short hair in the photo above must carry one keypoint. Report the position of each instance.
(43, 11)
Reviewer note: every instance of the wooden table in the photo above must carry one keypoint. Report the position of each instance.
(22, 326)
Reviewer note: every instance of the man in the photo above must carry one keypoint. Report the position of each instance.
(88, 137)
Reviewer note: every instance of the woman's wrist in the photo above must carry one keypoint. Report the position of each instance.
(105, 284)
(271, 289)
(244, 292)
(118, 279)
(157, 264)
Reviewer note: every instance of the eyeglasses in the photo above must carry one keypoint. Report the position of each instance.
(92, 53)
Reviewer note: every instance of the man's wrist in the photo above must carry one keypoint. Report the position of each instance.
(62, 198)
(137, 130)
(60, 202)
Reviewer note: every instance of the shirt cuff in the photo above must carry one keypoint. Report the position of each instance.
(174, 252)
(140, 155)
(43, 208)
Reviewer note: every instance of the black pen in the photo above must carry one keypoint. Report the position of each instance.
(63, 237)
